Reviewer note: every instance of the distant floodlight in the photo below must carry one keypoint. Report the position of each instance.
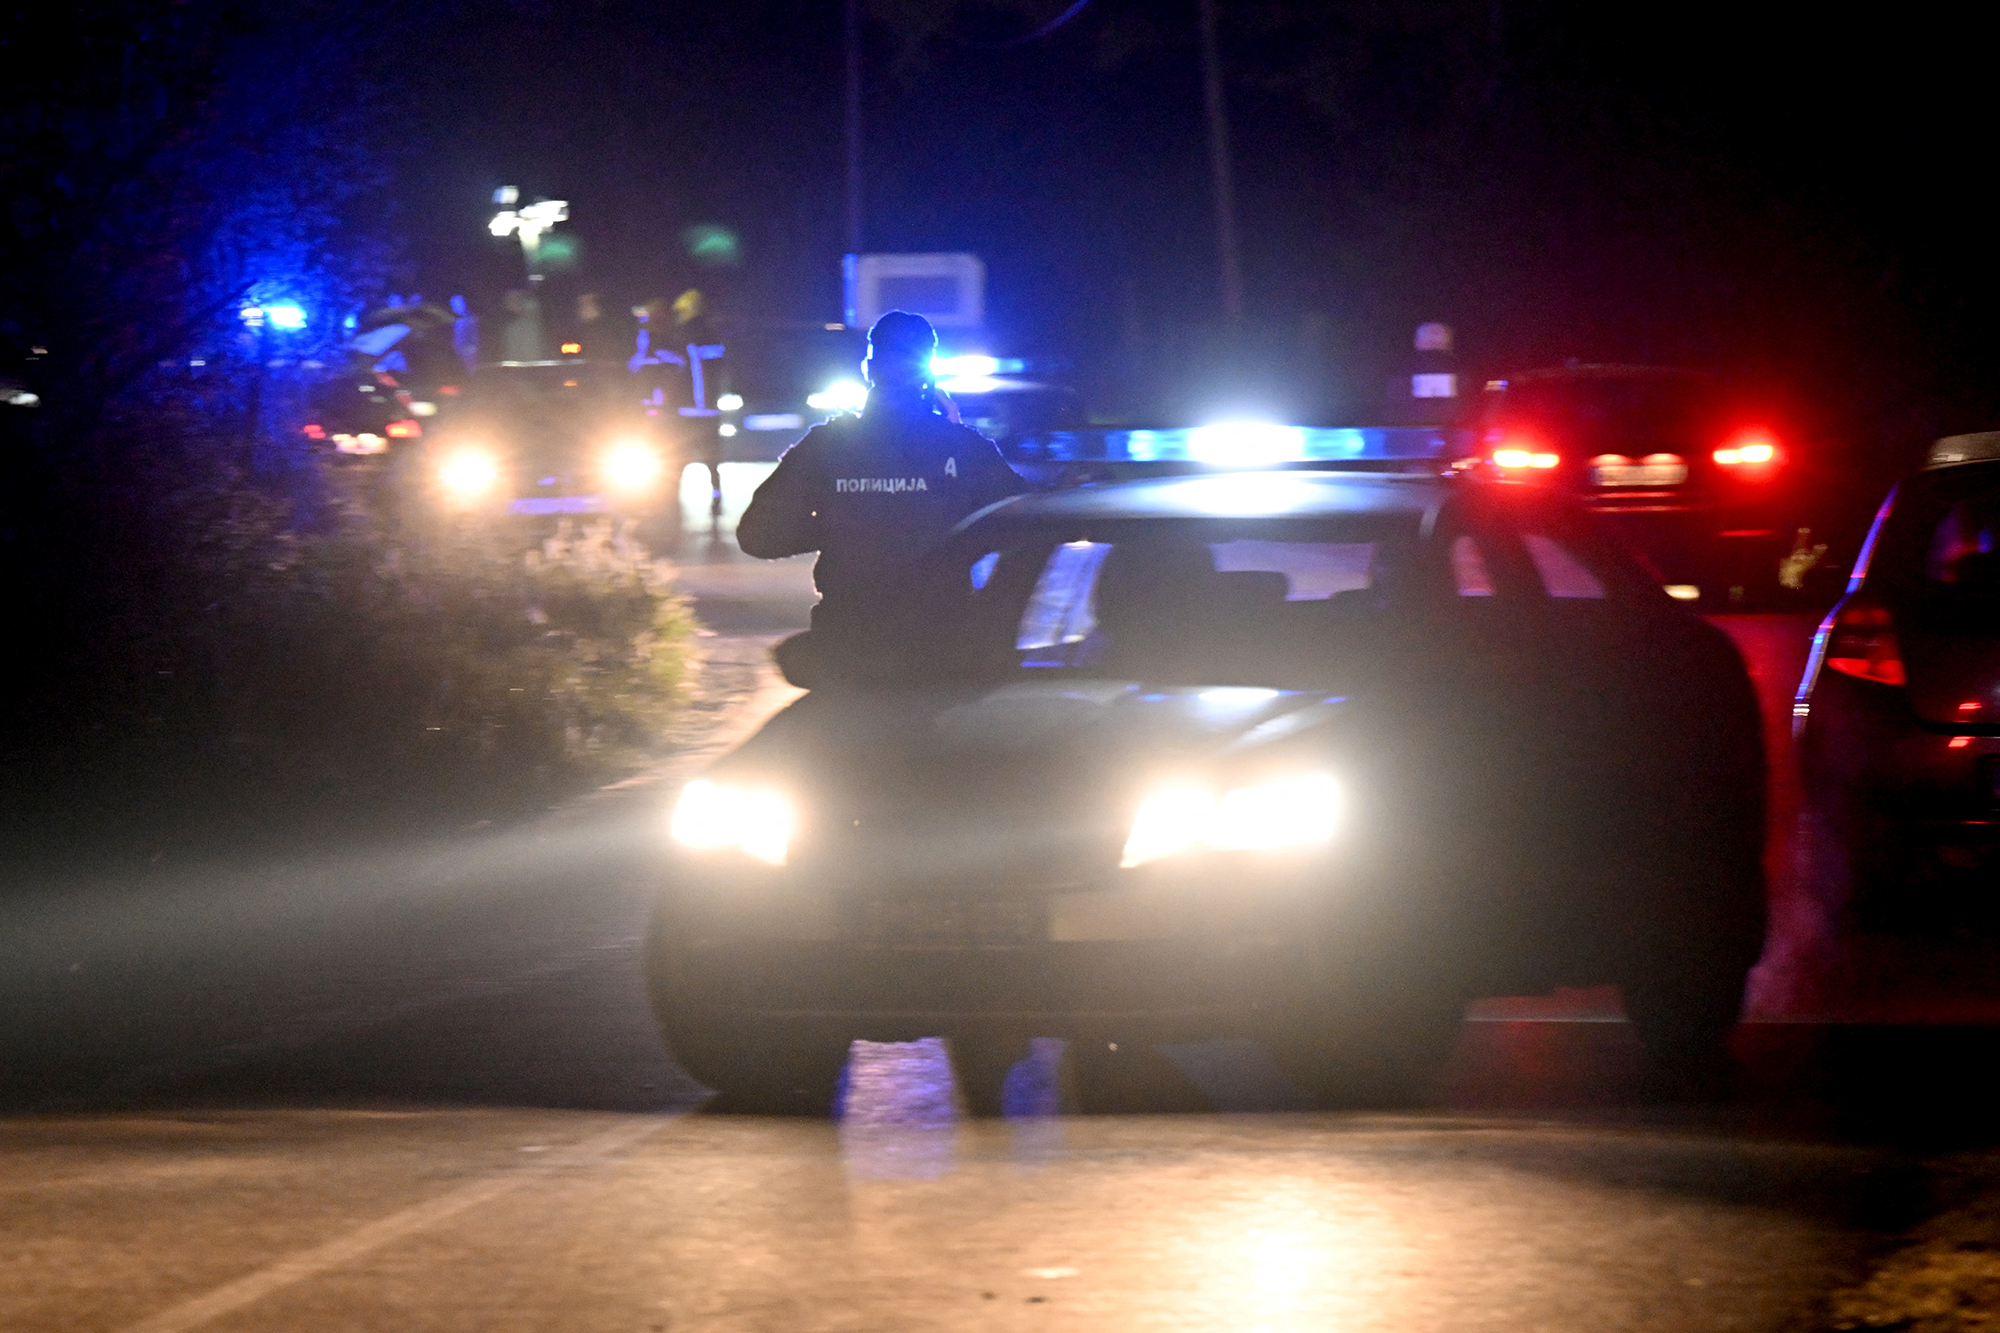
(730, 402)
(530, 223)
(1246, 443)
(506, 196)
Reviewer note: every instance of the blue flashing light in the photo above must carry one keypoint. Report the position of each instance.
(284, 315)
(942, 366)
(969, 384)
(1246, 443)
(1236, 444)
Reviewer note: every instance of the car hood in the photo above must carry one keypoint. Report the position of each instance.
(1032, 776)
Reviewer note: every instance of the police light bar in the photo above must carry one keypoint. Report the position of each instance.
(1236, 444)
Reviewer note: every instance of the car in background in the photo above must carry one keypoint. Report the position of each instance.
(363, 417)
(1699, 479)
(1898, 714)
(540, 440)
(1309, 757)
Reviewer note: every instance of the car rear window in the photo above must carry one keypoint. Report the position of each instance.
(1313, 571)
(1965, 546)
(1938, 558)
(1177, 601)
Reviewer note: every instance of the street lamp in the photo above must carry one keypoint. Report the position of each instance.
(530, 223)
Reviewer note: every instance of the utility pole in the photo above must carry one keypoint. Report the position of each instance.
(1219, 170)
(854, 127)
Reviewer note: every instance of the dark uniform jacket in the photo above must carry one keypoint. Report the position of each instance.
(874, 494)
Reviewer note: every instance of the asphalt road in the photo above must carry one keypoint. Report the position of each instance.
(416, 1087)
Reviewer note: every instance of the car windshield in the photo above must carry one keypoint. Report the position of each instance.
(1253, 602)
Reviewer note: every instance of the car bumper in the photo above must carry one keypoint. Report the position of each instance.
(1701, 542)
(1193, 952)
(1908, 796)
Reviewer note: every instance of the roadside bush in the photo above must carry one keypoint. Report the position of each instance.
(239, 678)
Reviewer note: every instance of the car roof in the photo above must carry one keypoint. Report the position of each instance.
(1291, 493)
(1963, 450)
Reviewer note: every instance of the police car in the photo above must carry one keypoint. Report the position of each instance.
(1304, 755)
(1898, 714)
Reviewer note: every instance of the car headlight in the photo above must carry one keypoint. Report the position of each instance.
(715, 816)
(629, 465)
(469, 472)
(1291, 812)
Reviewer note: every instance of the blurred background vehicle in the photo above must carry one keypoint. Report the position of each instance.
(365, 416)
(1698, 476)
(539, 440)
(1898, 714)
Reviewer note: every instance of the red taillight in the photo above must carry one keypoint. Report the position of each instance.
(1752, 453)
(404, 430)
(315, 431)
(447, 391)
(1515, 452)
(1862, 642)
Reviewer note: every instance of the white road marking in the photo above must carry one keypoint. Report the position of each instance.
(232, 1296)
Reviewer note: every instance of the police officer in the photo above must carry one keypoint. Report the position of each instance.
(874, 494)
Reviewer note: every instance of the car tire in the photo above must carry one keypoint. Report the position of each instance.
(1683, 988)
(1382, 1052)
(754, 1066)
(1683, 1019)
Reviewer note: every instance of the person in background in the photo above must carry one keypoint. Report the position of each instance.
(1426, 390)
(874, 494)
(695, 338)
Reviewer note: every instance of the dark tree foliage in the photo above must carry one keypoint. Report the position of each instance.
(165, 166)
(161, 167)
